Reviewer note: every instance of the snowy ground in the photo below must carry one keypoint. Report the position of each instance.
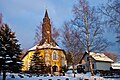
(49, 77)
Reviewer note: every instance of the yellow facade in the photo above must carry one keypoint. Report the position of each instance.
(48, 55)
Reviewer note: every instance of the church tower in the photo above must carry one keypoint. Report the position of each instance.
(46, 30)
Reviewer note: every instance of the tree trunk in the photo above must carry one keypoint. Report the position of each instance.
(73, 64)
(73, 70)
(4, 74)
(91, 67)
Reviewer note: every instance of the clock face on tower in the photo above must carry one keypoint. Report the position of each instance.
(48, 32)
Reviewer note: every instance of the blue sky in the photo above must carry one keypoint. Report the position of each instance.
(24, 15)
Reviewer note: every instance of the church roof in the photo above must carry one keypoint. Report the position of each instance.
(45, 45)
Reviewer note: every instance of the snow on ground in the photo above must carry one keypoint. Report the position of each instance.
(49, 77)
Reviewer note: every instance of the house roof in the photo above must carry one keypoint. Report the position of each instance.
(98, 57)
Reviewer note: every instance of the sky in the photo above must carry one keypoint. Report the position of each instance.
(23, 16)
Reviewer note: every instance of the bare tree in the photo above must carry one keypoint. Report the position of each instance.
(38, 33)
(71, 42)
(111, 12)
(90, 28)
(55, 33)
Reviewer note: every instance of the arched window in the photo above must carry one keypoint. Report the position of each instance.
(55, 55)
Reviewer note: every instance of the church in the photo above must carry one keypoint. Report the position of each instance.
(51, 52)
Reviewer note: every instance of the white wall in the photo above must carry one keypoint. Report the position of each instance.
(103, 65)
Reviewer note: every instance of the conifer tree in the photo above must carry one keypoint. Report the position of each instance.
(9, 51)
(37, 63)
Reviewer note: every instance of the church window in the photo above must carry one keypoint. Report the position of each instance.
(55, 55)
(47, 58)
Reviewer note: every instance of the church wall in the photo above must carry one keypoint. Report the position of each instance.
(57, 62)
(26, 61)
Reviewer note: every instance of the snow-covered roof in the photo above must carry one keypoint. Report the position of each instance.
(45, 45)
(116, 65)
(100, 57)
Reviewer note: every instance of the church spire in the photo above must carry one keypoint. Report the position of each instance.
(46, 29)
(46, 14)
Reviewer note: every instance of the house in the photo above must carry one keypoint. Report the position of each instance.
(99, 61)
(53, 55)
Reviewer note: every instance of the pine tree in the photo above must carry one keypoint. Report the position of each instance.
(37, 63)
(9, 51)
